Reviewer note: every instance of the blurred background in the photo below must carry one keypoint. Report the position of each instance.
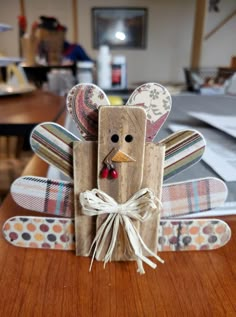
(169, 38)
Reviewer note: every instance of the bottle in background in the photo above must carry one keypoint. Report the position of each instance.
(104, 67)
(85, 72)
(119, 74)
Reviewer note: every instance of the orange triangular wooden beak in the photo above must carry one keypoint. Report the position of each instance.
(122, 157)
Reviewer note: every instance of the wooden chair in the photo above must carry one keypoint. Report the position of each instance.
(13, 159)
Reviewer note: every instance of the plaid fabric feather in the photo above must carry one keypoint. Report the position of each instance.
(56, 197)
(44, 195)
(192, 196)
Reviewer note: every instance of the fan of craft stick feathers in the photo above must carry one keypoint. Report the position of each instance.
(117, 155)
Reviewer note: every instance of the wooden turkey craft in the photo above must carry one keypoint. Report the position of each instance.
(117, 207)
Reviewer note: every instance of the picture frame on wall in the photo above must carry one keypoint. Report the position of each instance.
(119, 27)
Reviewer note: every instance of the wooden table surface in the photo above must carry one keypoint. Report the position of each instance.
(22, 111)
(57, 283)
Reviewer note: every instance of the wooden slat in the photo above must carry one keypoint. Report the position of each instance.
(152, 179)
(75, 20)
(220, 25)
(122, 121)
(85, 178)
(22, 7)
(199, 24)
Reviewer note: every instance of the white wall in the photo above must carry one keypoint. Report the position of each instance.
(10, 10)
(221, 46)
(9, 40)
(170, 26)
(169, 38)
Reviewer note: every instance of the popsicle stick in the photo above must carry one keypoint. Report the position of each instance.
(183, 149)
(193, 235)
(57, 197)
(44, 195)
(156, 100)
(40, 232)
(54, 144)
(193, 196)
(174, 235)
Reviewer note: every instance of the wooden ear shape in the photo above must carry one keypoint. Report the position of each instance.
(156, 100)
(82, 102)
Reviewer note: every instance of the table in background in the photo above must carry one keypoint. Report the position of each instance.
(19, 113)
(47, 283)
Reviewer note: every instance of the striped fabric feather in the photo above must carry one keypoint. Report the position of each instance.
(183, 149)
(54, 144)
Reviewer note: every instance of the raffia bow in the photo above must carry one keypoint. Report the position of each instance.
(139, 207)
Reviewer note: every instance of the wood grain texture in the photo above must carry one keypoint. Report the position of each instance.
(152, 179)
(149, 159)
(85, 178)
(48, 283)
(122, 121)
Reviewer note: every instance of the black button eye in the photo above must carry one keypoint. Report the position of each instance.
(129, 138)
(115, 138)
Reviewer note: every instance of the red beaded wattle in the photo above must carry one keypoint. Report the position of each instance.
(108, 171)
(104, 172)
(113, 173)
